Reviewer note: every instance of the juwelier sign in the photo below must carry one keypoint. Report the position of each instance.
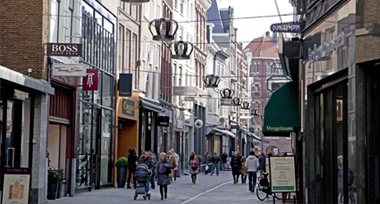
(78, 70)
(64, 49)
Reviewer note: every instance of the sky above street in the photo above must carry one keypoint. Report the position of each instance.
(251, 28)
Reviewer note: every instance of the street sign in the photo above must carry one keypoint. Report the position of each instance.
(72, 70)
(291, 27)
(184, 91)
(226, 102)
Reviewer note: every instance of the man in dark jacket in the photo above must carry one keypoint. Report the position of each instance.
(224, 161)
(147, 160)
(153, 156)
(262, 164)
(215, 164)
(236, 166)
(132, 159)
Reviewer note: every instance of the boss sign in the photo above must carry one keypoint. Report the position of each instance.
(64, 49)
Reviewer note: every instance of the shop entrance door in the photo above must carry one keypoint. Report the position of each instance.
(97, 146)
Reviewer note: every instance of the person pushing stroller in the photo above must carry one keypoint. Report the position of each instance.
(147, 160)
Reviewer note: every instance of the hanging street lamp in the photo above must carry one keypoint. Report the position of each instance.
(136, 1)
(211, 81)
(181, 49)
(227, 93)
(254, 111)
(163, 28)
(236, 101)
(245, 105)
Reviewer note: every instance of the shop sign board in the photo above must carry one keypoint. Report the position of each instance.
(290, 27)
(64, 49)
(129, 107)
(163, 121)
(226, 102)
(90, 81)
(16, 186)
(71, 70)
(283, 174)
(184, 91)
(188, 98)
(125, 85)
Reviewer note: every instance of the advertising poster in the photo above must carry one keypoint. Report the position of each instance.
(16, 188)
(228, 164)
(283, 174)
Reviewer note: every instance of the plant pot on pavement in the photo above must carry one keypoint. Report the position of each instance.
(52, 190)
(121, 164)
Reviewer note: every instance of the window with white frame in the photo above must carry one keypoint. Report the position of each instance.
(133, 61)
(258, 68)
(176, 4)
(181, 6)
(127, 43)
(268, 68)
(134, 11)
(121, 49)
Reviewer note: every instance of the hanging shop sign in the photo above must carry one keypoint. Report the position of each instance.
(283, 174)
(188, 98)
(125, 85)
(163, 121)
(71, 70)
(90, 81)
(324, 51)
(226, 102)
(184, 91)
(198, 123)
(16, 186)
(129, 107)
(64, 49)
(291, 27)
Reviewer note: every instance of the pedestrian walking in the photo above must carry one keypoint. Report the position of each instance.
(147, 160)
(224, 161)
(236, 166)
(205, 163)
(154, 159)
(252, 164)
(262, 164)
(243, 170)
(132, 159)
(163, 170)
(178, 161)
(215, 164)
(173, 161)
(194, 167)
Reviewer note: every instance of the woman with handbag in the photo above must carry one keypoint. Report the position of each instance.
(164, 168)
(194, 168)
(174, 163)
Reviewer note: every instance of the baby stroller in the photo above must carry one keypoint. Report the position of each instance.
(142, 174)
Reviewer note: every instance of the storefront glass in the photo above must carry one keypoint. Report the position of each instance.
(106, 148)
(217, 144)
(107, 88)
(84, 158)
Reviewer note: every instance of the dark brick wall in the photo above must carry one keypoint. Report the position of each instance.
(23, 30)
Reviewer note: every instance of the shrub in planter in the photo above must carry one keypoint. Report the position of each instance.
(121, 164)
(199, 158)
(54, 177)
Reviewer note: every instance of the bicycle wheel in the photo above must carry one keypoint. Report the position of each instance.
(278, 196)
(260, 194)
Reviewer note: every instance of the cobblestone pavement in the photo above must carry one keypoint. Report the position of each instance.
(208, 189)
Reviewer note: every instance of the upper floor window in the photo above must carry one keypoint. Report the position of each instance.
(268, 68)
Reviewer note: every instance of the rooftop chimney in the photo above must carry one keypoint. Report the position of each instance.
(267, 33)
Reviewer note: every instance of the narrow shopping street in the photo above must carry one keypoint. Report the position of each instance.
(209, 189)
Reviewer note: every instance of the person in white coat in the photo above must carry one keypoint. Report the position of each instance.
(252, 164)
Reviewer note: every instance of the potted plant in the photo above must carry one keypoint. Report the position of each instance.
(121, 164)
(54, 177)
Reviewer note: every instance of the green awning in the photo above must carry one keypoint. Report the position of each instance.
(281, 111)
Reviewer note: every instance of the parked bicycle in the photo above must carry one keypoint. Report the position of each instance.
(263, 189)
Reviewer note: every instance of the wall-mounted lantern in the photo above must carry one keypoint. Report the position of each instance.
(245, 105)
(236, 101)
(181, 49)
(227, 93)
(163, 28)
(136, 1)
(211, 81)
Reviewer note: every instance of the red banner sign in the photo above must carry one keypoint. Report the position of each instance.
(90, 81)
